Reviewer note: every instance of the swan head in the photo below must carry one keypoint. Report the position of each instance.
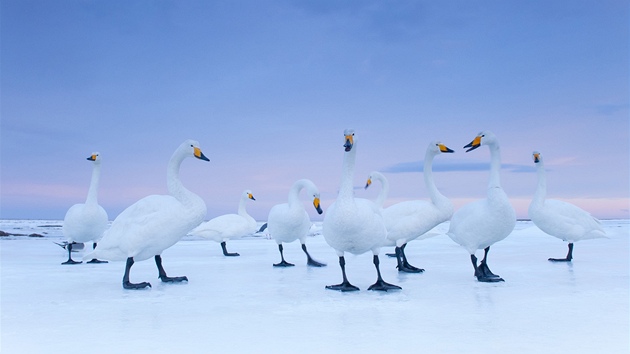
(374, 175)
(483, 138)
(248, 194)
(316, 204)
(95, 157)
(192, 147)
(537, 157)
(349, 137)
(438, 148)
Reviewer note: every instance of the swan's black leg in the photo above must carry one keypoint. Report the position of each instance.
(310, 261)
(94, 260)
(403, 264)
(380, 283)
(162, 273)
(345, 284)
(569, 255)
(226, 253)
(126, 283)
(482, 272)
(484, 265)
(282, 263)
(70, 260)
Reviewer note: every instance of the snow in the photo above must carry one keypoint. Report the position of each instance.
(245, 305)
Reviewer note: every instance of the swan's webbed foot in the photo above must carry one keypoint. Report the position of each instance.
(166, 279)
(96, 261)
(559, 259)
(381, 285)
(391, 255)
(72, 261)
(345, 286)
(484, 274)
(283, 264)
(313, 263)
(408, 268)
(135, 286)
(225, 251)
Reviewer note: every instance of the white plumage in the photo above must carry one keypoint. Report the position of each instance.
(352, 224)
(410, 220)
(156, 222)
(229, 226)
(86, 222)
(561, 219)
(288, 222)
(480, 224)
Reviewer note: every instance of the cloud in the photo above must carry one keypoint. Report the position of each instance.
(417, 166)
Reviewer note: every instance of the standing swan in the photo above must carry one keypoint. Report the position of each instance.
(225, 227)
(289, 221)
(156, 222)
(86, 222)
(352, 224)
(480, 224)
(561, 219)
(406, 221)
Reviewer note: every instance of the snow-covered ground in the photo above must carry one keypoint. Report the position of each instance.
(245, 305)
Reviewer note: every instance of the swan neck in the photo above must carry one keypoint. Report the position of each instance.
(92, 197)
(346, 190)
(541, 189)
(429, 183)
(174, 184)
(495, 167)
(241, 206)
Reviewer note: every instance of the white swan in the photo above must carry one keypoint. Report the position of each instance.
(86, 222)
(561, 219)
(288, 222)
(352, 224)
(480, 224)
(156, 222)
(409, 220)
(382, 195)
(225, 227)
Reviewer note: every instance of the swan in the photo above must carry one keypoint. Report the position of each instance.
(86, 222)
(480, 224)
(225, 227)
(352, 224)
(155, 223)
(560, 219)
(408, 220)
(288, 222)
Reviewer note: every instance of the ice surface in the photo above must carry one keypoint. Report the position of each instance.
(245, 305)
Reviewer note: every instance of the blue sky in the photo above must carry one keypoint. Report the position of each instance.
(267, 88)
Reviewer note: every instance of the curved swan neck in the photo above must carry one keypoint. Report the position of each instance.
(380, 199)
(495, 166)
(434, 193)
(294, 192)
(174, 184)
(92, 197)
(241, 206)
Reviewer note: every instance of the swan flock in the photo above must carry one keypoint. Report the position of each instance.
(350, 224)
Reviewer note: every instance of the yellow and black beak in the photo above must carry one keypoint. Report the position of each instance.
(349, 142)
(536, 157)
(250, 196)
(200, 155)
(474, 144)
(443, 148)
(317, 206)
(92, 158)
(368, 183)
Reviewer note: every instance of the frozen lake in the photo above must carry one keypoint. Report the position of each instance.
(245, 305)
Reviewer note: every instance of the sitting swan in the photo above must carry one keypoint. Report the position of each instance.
(561, 219)
(156, 222)
(352, 224)
(480, 224)
(289, 221)
(225, 227)
(406, 221)
(86, 222)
